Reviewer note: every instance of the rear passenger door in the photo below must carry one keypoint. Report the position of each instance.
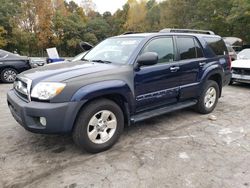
(191, 61)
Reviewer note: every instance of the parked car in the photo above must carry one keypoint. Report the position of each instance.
(11, 64)
(231, 52)
(241, 67)
(124, 79)
(235, 42)
(85, 47)
(37, 62)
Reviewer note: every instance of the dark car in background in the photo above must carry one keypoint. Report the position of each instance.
(12, 64)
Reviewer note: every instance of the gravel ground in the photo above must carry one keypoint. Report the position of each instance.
(180, 149)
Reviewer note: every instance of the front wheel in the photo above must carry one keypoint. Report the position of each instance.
(98, 126)
(209, 97)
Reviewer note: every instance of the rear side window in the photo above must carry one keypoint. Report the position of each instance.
(188, 48)
(217, 45)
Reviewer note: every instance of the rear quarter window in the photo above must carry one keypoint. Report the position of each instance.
(217, 45)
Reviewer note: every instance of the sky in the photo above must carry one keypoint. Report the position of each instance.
(107, 5)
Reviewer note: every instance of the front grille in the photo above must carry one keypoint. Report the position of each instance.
(242, 71)
(22, 88)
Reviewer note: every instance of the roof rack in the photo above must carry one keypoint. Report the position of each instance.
(169, 30)
(129, 32)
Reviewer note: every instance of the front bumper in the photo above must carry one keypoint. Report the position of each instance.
(60, 117)
(241, 78)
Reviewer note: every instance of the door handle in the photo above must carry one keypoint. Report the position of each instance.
(174, 69)
(202, 64)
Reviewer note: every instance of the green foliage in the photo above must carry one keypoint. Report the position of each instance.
(30, 26)
(3, 41)
(99, 27)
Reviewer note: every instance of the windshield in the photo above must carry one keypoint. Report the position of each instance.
(244, 54)
(114, 50)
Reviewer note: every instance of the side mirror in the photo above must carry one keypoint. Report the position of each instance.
(86, 46)
(148, 58)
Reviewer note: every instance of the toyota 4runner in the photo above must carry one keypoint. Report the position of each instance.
(122, 80)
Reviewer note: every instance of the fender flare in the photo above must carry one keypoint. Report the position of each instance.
(108, 87)
(210, 71)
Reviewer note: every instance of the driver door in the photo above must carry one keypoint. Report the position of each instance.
(158, 85)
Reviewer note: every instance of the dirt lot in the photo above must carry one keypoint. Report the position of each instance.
(181, 149)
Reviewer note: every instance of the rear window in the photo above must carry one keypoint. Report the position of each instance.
(217, 45)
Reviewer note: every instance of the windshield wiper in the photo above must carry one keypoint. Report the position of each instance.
(101, 61)
(84, 59)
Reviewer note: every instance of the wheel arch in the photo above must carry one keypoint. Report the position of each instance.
(116, 91)
(215, 73)
(218, 79)
(115, 97)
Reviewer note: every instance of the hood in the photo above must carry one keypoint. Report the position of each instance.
(12, 57)
(241, 63)
(59, 72)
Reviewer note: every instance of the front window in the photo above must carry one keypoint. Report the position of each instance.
(114, 50)
(164, 47)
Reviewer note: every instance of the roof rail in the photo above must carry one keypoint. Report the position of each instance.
(169, 30)
(129, 32)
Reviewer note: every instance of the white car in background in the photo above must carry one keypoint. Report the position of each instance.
(241, 67)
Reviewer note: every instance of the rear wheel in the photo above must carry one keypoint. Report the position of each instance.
(8, 75)
(209, 97)
(98, 126)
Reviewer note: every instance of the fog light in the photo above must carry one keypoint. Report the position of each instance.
(43, 121)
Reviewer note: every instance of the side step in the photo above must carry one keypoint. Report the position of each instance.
(163, 110)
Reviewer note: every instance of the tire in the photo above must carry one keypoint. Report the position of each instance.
(231, 82)
(205, 105)
(92, 134)
(8, 75)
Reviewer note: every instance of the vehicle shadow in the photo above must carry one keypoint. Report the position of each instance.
(240, 85)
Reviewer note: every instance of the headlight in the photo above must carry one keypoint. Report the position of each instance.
(47, 90)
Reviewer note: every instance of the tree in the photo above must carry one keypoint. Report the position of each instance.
(3, 41)
(239, 19)
(119, 20)
(44, 13)
(88, 6)
(9, 11)
(153, 16)
(136, 16)
(99, 27)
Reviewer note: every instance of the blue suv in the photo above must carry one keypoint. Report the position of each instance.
(122, 80)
